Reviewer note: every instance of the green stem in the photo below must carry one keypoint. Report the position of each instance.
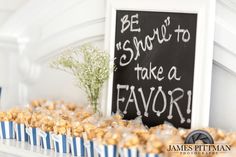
(94, 99)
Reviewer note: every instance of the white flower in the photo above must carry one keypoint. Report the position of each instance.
(90, 67)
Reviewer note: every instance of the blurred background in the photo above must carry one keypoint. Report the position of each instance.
(33, 32)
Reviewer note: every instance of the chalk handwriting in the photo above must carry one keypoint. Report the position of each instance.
(175, 95)
(156, 99)
(173, 74)
(126, 23)
(146, 103)
(136, 46)
(158, 113)
(130, 100)
(119, 87)
(174, 101)
(159, 35)
(185, 34)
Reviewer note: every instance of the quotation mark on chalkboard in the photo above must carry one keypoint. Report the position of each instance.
(118, 46)
(167, 21)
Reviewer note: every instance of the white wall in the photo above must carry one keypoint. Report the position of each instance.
(223, 106)
(55, 84)
(8, 72)
(48, 30)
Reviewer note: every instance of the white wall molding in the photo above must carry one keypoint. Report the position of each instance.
(230, 4)
(74, 28)
(54, 53)
(224, 59)
(224, 49)
(82, 14)
(35, 12)
(50, 26)
(81, 33)
(225, 35)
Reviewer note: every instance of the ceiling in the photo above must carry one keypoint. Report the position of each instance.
(8, 8)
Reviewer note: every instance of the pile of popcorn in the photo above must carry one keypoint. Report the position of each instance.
(70, 119)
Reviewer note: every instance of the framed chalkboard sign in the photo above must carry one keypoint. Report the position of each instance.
(162, 52)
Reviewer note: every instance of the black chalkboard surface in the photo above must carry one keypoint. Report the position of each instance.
(154, 58)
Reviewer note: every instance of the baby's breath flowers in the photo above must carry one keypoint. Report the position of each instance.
(90, 67)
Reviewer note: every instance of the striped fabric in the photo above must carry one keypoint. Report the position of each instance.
(129, 152)
(151, 155)
(20, 130)
(34, 138)
(46, 139)
(89, 147)
(7, 130)
(77, 146)
(108, 151)
(60, 143)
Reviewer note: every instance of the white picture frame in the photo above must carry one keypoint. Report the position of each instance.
(205, 10)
